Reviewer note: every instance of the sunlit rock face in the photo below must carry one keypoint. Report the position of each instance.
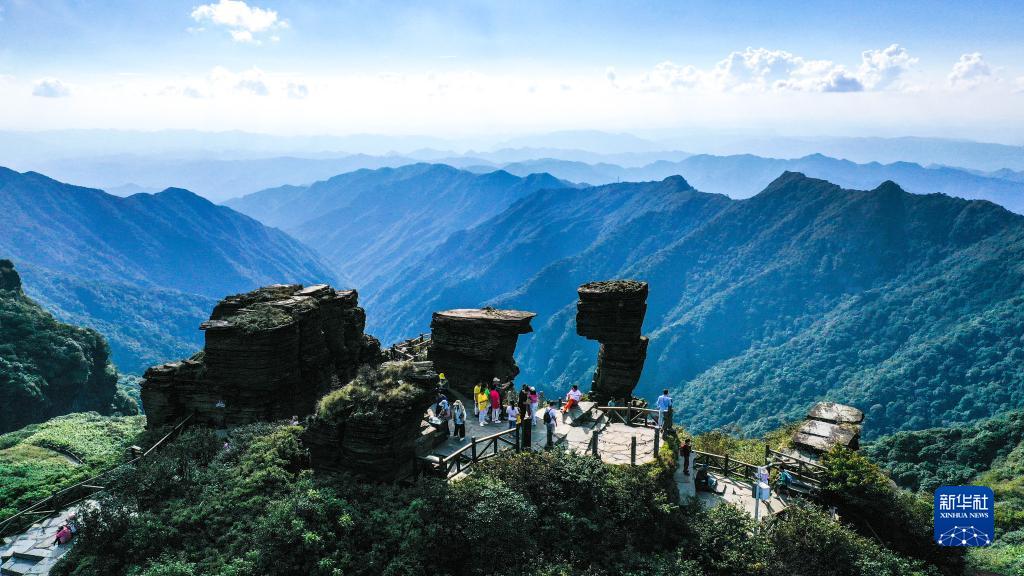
(269, 354)
(612, 312)
(476, 345)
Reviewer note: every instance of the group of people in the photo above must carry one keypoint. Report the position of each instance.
(497, 402)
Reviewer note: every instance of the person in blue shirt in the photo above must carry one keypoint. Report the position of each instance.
(664, 403)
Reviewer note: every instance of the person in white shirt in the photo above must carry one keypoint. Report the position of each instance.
(513, 415)
(664, 403)
(572, 398)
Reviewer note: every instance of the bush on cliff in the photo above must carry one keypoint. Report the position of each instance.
(387, 391)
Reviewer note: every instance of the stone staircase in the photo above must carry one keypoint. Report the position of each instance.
(33, 551)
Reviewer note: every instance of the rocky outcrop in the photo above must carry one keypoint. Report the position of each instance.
(612, 312)
(477, 345)
(827, 425)
(9, 279)
(373, 426)
(269, 354)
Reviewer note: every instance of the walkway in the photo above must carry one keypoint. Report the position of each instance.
(574, 432)
(731, 491)
(33, 551)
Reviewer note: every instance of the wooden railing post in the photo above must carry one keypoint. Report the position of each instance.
(594, 441)
(518, 444)
(657, 442)
(632, 452)
(726, 465)
(767, 453)
(472, 441)
(629, 415)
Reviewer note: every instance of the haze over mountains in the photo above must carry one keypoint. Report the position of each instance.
(142, 269)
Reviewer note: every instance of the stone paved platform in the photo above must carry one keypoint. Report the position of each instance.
(33, 551)
(730, 491)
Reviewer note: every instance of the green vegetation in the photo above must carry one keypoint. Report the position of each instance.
(48, 368)
(256, 508)
(260, 316)
(379, 392)
(989, 453)
(42, 458)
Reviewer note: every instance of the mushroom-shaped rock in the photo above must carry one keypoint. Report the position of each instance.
(829, 424)
(476, 345)
(612, 312)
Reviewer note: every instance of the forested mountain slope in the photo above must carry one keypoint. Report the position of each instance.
(145, 266)
(905, 305)
(47, 368)
(371, 223)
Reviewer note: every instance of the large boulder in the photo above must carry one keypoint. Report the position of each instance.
(829, 424)
(612, 312)
(373, 426)
(476, 345)
(269, 353)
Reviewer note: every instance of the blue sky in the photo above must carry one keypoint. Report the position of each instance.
(805, 68)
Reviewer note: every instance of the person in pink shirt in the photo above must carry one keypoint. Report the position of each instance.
(495, 402)
(63, 535)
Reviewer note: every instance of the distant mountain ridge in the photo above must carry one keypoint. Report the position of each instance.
(172, 251)
(741, 176)
(370, 223)
(749, 297)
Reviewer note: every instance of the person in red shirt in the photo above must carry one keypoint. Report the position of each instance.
(495, 402)
(63, 535)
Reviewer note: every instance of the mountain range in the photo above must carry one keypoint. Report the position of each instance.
(895, 302)
(143, 269)
(370, 223)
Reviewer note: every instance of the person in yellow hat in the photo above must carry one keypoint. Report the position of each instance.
(482, 399)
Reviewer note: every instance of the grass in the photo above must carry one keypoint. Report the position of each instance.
(33, 462)
(749, 450)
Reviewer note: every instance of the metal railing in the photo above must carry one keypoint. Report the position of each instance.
(460, 461)
(80, 491)
(633, 416)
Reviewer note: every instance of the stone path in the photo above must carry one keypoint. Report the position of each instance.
(730, 491)
(574, 432)
(33, 551)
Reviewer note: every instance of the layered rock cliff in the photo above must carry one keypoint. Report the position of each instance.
(476, 345)
(270, 353)
(612, 312)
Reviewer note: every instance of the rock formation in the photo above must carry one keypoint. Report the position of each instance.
(269, 354)
(374, 425)
(9, 279)
(612, 312)
(477, 345)
(829, 424)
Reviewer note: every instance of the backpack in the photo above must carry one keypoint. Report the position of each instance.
(547, 416)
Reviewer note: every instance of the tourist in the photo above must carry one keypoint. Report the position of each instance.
(685, 451)
(476, 398)
(524, 400)
(482, 400)
(513, 415)
(664, 404)
(63, 535)
(495, 402)
(442, 412)
(459, 418)
(294, 421)
(551, 421)
(572, 398)
(534, 399)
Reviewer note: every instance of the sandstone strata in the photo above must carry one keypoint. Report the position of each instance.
(477, 345)
(612, 312)
(269, 354)
(829, 424)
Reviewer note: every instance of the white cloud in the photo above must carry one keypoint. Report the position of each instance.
(242, 21)
(970, 71)
(610, 74)
(51, 88)
(880, 69)
(764, 70)
(253, 86)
